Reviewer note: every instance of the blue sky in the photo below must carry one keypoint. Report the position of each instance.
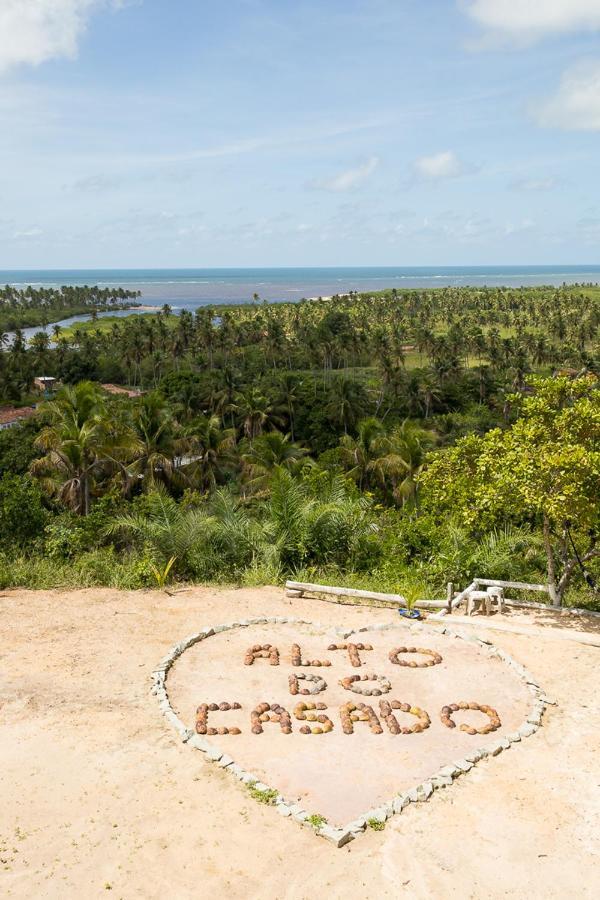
(298, 132)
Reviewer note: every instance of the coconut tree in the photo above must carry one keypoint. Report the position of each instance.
(268, 453)
(210, 448)
(347, 400)
(74, 445)
(357, 454)
(288, 397)
(159, 442)
(400, 460)
(256, 412)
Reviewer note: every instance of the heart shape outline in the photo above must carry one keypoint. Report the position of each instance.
(420, 793)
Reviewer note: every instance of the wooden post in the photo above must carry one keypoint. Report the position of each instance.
(449, 595)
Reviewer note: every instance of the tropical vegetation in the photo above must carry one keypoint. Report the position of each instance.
(401, 438)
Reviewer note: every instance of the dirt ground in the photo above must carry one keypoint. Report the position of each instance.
(98, 795)
(339, 775)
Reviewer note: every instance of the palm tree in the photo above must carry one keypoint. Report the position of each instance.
(288, 386)
(159, 442)
(401, 459)
(357, 454)
(299, 528)
(429, 392)
(256, 412)
(74, 445)
(224, 396)
(347, 402)
(165, 526)
(268, 453)
(210, 447)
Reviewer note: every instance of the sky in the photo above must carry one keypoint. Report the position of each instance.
(168, 133)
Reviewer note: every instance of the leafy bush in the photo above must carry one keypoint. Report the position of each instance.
(22, 515)
(67, 535)
(16, 447)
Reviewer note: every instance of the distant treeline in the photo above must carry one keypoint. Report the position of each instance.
(39, 306)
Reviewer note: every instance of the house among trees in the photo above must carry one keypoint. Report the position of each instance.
(10, 416)
(44, 383)
(117, 390)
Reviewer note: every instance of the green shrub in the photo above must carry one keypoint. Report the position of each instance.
(22, 515)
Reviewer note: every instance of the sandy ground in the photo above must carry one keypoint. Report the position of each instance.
(339, 775)
(97, 794)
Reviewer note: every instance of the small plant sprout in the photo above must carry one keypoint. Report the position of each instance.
(412, 591)
(375, 824)
(162, 576)
(316, 821)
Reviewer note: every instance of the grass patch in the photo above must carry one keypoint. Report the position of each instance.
(267, 796)
(375, 824)
(316, 821)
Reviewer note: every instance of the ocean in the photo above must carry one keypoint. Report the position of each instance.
(190, 288)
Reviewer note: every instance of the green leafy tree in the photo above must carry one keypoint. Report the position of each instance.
(21, 511)
(544, 469)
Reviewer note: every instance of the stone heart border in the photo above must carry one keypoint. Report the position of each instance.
(422, 792)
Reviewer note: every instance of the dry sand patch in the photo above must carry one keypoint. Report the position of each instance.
(97, 790)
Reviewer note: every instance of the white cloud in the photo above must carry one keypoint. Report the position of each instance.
(525, 21)
(519, 227)
(33, 232)
(34, 31)
(349, 178)
(440, 165)
(576, 104)
(534, 184)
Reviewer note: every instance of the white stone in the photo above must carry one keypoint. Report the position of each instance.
(214, 753)
(474, 757)
(301, 816)
(180, 728)
(400, 803)
(380, 814)
(441, 781)
(527, 730)
(499, 746)
(449, 771)
(198, 743)
(337, 836)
